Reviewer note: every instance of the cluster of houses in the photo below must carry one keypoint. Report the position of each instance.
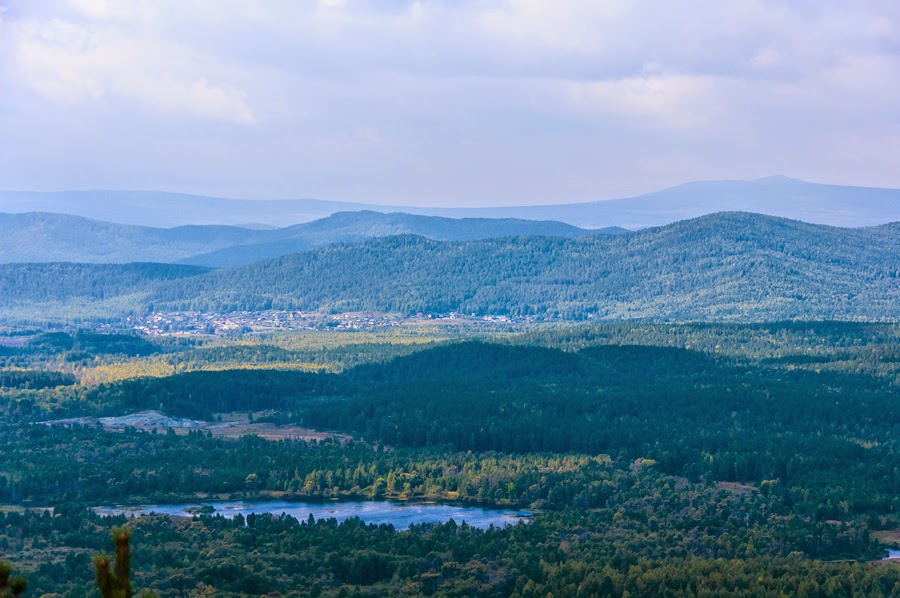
(195, 323)
(243, 322)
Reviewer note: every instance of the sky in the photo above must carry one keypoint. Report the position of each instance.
(451, 102)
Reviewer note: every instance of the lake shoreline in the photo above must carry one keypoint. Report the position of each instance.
(400, 514)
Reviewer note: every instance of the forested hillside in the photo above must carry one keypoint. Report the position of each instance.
(345, 227)
(40, 237)
(22, 284)
(731, 266)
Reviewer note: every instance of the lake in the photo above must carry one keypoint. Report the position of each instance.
(400, 515)
(893, 553)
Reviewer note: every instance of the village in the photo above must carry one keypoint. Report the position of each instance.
(247, 322)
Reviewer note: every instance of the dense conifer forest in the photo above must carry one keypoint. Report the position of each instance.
(721, 267)
(657, 459)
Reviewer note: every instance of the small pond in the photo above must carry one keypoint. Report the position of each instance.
(401, 515)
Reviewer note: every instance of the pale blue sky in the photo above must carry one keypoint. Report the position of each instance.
(468, 103)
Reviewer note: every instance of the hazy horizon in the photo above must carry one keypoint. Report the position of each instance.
(413, 204)
(510, 203)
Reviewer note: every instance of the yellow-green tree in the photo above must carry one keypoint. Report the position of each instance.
(11, 585)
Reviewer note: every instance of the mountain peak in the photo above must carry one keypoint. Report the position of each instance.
(776, 178)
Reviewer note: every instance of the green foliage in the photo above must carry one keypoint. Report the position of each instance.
(65, 291)
(750, 463)
(33, 379)
(644, 544)
(720, 267)
(14, 585)
(42, 237)
(732, 266)
(21, 283)
(698, 416)
(113, 577)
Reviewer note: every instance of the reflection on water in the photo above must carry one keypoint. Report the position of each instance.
(399, 514)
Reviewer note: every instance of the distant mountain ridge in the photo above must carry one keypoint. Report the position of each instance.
(721, 267)
(816, 203)
(43, 237)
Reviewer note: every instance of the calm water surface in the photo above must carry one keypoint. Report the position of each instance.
(399, 514)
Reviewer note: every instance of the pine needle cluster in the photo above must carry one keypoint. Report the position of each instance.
(113, 574)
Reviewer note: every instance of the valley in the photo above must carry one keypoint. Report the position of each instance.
(449, 299)
(711, 403)
(636, 442)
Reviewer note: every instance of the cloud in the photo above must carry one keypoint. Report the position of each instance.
(73, 62)
(446, 101)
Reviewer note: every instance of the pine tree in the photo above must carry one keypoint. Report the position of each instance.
(114, 578)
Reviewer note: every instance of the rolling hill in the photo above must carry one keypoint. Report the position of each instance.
(22, 284)
(43, 237)
(776, 196)
(345, 227)
(729, 266)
